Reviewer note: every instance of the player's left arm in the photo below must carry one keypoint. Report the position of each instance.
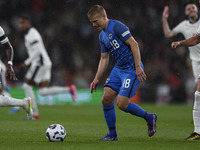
(137, 58)
(188, 42)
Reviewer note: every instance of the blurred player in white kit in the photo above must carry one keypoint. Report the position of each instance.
(5, 99)
(3, 86)
(189, 29)
(39, 72)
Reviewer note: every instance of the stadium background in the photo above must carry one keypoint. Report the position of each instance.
(72, 44)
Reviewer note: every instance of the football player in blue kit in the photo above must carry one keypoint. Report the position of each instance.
(115, 38)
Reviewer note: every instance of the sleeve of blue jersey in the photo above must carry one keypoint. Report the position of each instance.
(103, 47)
(122, 31)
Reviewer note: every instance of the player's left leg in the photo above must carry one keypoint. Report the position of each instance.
(43, 79)
(45, 90)
(127, 90)
(196, 115)
(124, 104)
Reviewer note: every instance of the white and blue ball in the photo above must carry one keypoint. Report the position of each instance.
(56, 133)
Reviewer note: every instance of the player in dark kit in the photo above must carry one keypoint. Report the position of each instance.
(115, 38)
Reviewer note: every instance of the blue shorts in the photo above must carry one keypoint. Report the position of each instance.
(123, 82)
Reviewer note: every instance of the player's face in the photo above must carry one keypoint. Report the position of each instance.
(191, 10)
(98, 22)
(24, 25)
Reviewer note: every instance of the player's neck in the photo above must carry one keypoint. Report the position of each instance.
(26, 31)
(194, 19)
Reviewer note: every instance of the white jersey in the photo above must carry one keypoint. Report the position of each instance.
(35, 47)
(188, 30)
(3, 38)
(198, 31)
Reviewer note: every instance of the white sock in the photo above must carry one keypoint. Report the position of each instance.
(196, 112)
(8, 101)
(53, 90)
(29, 93)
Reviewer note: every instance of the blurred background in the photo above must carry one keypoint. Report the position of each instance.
(73, 46)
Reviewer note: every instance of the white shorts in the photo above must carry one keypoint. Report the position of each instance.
(39, 74)
(196, 70)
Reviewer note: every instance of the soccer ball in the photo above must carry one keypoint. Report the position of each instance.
(56, 133)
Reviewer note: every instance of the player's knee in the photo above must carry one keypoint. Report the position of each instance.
(106, 101)
(122, 104)
(42, 91)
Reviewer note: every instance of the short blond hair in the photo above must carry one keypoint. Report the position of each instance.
(96, 10)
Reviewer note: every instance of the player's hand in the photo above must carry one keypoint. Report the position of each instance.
(166, 12)
(140, 74)
(11, 72)
(23, 66)
(175, 44)
(93, 85)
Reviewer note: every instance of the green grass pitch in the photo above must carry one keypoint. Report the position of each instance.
(84, 124)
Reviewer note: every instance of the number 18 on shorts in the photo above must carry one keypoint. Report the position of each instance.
(123, 82)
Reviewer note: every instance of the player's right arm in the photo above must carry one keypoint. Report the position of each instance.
(189, 42)
(167, 31)
(103, 64)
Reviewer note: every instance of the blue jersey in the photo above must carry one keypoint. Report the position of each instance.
(113, 40)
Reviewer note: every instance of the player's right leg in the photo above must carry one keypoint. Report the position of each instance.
(25, 103)
(111, 88)
(32, 78)
(109, 96)
(28, 108)
(28, 89)
(196, 115)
